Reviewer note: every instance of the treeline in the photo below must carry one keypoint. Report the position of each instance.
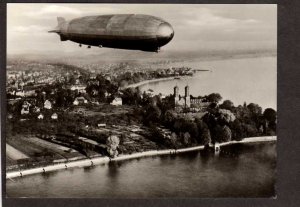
(128, 78)
(219, 123)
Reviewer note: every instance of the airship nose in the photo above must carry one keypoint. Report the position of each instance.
(164, 33)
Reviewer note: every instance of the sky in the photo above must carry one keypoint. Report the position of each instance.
(198, 27)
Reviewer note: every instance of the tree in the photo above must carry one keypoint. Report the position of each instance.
(217, 133)
(227, 104)
(250, 130)
(227, 134)
(112, 143)
(156, 135)
(222, 134)
(255, 114)
(173, 139)
(193, 129)
(152, 114)
(225, 116)
(210, 119)
(237, 130)
(178, 125)
(214, 97)
(255, 108)
(169, 118)
(270, 115)
(204, 136)
(187, 139)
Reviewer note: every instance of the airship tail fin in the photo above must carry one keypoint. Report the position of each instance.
(60, 21)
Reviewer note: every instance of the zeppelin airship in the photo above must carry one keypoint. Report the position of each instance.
(121, 31)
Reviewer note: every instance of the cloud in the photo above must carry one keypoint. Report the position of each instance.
(53, 10)
(29, 29)
(208, 20)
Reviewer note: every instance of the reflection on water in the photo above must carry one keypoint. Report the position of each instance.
(246, 170)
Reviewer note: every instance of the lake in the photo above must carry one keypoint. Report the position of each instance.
(250, 80)
(240, 170)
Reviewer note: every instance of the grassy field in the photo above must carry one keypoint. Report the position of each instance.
(64, 152)
(34, 147)
(14, 154)
(101, 110)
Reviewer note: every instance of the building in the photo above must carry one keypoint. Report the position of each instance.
(101, 125)
(79, 100)
(41, 116)
(80, 88)
(54, 116)
(47, 104)
(117, 101)
(188, 102)
(182, 101)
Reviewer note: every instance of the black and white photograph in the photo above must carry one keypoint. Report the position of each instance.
(141, 101)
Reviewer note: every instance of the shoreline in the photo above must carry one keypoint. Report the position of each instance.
(138, 84)
(104, 160)
(144, 82)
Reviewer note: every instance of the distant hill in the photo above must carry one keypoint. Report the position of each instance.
(113, 56)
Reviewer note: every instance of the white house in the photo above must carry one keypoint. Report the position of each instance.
(25, 111)
(80, 88)
(20, 93)
(101, 125)
(117, 102)
(47, 104)
(41, 116)
(79, 100)
(54, 116)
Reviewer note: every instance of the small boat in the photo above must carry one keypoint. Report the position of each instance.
(177, 78)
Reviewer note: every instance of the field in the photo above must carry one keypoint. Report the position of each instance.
(14, 154)
(20, 147)
(101, 110)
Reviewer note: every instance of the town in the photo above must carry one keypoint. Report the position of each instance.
(58, 113)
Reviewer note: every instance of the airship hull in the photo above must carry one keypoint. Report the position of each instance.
(124, 31)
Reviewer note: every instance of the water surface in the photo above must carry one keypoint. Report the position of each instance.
(250, 80)
(241, 170)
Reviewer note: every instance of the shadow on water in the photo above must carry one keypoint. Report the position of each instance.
(206, 156)
(89, 168)
(50, 174)
(113, 169)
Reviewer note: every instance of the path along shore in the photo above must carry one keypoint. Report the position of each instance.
(103, 160)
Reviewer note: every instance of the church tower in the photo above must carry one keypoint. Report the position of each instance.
(176, 91)
(187, 97)
(176, 95)
(187, 91)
